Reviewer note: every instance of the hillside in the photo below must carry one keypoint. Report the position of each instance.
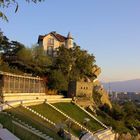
(124, 86)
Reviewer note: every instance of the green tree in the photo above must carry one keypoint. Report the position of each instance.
(57, 80)
(84, 61)
(39, 57)
(75, 63)
(117, 112)
(129, 108)
(25, 55)
(5, 45)
(105, 108)
(72, 64)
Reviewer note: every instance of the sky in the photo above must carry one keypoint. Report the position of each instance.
(108, 29)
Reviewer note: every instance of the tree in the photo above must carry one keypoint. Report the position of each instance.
(7, 3)
(117, 112)
(39, 57)
(70, 64)
(8, 47)
(5, 44)
(129, 108)
(57, 80)
(105, 108)
(75, 63)
(25, 55)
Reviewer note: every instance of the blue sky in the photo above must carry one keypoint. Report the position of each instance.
(110, 29)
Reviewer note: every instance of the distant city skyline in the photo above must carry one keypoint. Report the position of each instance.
(108, 29)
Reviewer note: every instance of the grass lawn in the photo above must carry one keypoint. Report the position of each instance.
(21, 133)
(36, 122)
(76, 113)
(56, 117)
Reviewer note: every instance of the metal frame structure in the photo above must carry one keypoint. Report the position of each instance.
(12, 83)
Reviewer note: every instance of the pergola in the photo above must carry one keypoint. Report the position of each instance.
(11, 83)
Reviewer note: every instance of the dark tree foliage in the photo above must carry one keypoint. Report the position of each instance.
(130, 108)
(70, 64)
(75, 63)
(126, 116)
(57, 80)
(6, 3)
(117, 112)
(105, 108)
(4, 43)
(9, 49)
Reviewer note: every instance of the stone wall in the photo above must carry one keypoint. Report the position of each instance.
(80, 89)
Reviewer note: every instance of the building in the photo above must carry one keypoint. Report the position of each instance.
(52, 41)
(20, 87)
(125, 96)
(113, 95)
(133, 96)
(80, 89)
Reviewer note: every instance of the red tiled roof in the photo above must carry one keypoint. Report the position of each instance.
(56, 35)
(59, 37)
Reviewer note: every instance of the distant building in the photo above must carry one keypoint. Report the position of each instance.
(52, 41)
(80, 89)
(125, 96)
(134, 96)
(113, 95)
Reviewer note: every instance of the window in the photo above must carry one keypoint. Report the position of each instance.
(51, 41)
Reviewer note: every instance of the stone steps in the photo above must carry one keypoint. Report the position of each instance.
(44, 118)
(28, 127)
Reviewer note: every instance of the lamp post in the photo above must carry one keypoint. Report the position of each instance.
(86, 120)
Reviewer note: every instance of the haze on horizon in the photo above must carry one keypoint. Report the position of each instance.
(108, 29)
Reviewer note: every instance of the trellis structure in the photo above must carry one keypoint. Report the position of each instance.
(11, 83)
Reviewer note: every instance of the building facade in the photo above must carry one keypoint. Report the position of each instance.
(52, 41)
(80, 89)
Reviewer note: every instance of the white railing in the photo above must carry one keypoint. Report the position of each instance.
(92, 116)
(68, 117)
(49, 121)
(39, 115)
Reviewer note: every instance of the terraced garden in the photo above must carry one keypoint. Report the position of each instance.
(35, 121)
(6, 121)
(57, 118)
(76, 113)
(47, 111)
